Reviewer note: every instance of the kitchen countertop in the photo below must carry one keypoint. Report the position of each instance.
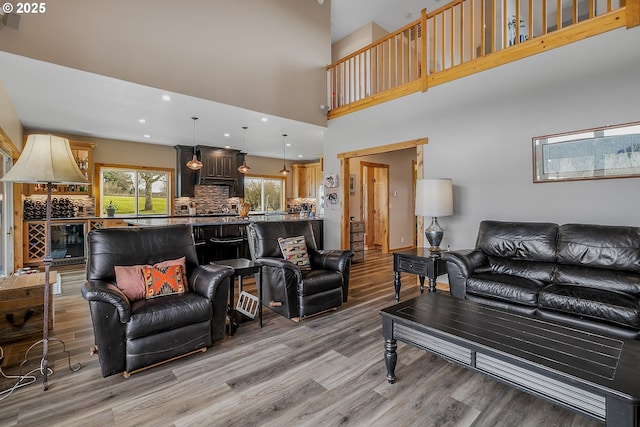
(217, 220)
(130, 217)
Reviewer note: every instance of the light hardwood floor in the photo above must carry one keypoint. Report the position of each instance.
(325, 371)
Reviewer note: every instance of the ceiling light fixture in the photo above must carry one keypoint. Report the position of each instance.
(243, 167)
(194, 164)
(284, 171)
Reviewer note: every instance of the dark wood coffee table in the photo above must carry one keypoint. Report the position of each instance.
(586, 372)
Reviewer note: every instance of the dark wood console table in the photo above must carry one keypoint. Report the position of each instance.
(592, 374)
(420, 261)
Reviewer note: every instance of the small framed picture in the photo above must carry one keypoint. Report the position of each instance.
(352, 184)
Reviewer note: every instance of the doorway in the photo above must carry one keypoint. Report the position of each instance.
(345, 158)
(375, 205)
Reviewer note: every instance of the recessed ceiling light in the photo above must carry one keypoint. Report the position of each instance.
(300, 156)
(147, 135)
(166, 98)
(142, 121)
(288, 144)
(227, 146)
(265, 120)
(227, 135)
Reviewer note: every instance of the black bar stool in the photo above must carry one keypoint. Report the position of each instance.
(223, 243)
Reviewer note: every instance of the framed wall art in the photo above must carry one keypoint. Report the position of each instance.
(352, 184)
(606, 152)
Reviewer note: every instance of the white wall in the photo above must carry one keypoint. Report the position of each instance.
(360, 38)
(480, 130)
(9, 121)
(267, 55)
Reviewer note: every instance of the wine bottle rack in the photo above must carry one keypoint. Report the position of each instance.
(36, 238)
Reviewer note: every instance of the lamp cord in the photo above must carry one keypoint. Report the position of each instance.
(28, 377)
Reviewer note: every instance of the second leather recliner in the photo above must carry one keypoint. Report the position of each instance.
(288, 290)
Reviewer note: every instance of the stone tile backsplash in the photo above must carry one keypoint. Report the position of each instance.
(207, 199)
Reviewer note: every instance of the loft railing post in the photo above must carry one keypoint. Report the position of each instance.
(423, 56)
(633, 13)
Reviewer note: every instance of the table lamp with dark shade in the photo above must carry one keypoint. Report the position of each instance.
(46, 159)
(434, 198)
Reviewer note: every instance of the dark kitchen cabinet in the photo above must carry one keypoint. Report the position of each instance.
(218, 164)
(238, 189)
(219, 167)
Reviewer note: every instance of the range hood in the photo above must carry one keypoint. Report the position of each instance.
(208, 180)
(219, 167)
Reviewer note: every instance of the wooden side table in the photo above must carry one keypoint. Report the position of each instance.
(22, 305)
(420, 261)
(242, 267)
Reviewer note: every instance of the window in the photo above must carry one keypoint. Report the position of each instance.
(264, 194)
(135, 191)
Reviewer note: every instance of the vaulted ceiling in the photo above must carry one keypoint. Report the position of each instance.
(60, 99)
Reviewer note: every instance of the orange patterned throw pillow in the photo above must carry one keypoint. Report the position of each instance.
(294, 249)
(130, 279)
(163, 280)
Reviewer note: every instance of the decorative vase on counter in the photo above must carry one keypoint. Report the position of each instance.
(243, 209)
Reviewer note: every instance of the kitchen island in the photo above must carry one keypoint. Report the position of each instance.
(224, 237)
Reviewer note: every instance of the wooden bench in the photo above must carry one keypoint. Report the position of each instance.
(586, 372)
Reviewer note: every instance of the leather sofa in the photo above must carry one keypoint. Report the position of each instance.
(577, 274)
(132, 335)
(288, 290)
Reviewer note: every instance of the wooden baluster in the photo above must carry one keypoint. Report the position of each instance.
(471, 32)
(451, 35)
(544, 17)
(505, 26)
(517, 23)
(559, 15)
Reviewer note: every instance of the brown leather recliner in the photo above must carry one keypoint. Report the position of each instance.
(132, 335)
(288, 290)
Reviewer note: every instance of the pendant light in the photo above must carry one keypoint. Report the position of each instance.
(243, 168)
(284, 171)
(194, 164)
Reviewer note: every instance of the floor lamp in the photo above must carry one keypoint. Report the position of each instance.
(46, 159)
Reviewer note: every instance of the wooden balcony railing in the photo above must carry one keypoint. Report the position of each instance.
(462, 38)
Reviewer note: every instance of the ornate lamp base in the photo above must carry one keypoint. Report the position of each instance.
(434, 235)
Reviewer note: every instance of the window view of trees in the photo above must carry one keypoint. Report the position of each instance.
(135, 192)
(264, 194)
